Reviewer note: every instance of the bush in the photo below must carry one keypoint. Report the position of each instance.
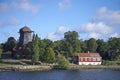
(109, 63)
(63, 63)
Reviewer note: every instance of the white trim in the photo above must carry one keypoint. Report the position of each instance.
(89, 63)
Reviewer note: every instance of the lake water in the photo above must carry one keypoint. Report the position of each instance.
(62, 75)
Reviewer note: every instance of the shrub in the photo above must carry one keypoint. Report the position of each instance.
(109, 63)
(63, 63)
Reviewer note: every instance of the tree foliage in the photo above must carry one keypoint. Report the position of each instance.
(114, 48)
(1, 50)
(35, 47)
(45, 50)
(63, 62)
(49, 55)
(103, 49)
(71, 43)
(91, 45)
(10, 44)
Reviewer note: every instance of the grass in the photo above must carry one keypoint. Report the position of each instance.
(110, 63)
(4, 64)
(8, 62)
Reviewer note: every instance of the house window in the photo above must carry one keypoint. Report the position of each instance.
(81, 59)
(94, 59)
(85, 59)
(89, 59)
(98, 59)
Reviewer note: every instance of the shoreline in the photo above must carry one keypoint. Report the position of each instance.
(78, 67)
(44, 68)
(25, 68)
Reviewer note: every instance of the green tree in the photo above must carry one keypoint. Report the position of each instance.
(10, 44)
(35, 48)
(49, 55)
(0, 50)
(114, 48)
(27, 52)
(62, 62)
(43, 46)
(48, 43)
(91, 45)
(83, 45)
(71, 43)
(100, 44)
(60, 47)
(42, 49)
(103, 49)
(58, 44)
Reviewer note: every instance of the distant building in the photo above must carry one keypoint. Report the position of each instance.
(89, 59)
(25, 35)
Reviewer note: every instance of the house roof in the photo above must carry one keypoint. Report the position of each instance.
(89, 55)
(25, 29)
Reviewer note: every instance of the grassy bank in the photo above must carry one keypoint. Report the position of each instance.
(111, 63)
(77, 67)
(42, 68)
(25, 65)
(24, 68)
(21, 65)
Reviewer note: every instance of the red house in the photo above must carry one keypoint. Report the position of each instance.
(89, 59)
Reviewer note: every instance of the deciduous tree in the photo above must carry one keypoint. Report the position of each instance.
(49, 55)
(10, 44)
(91, 45)
(71, 43)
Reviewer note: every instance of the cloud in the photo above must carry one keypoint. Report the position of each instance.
(59, 34)
(104, 24)
(100, 28)
(12, 21)
(15, 5)
(96, 30)
(3, 7)
(51, 36)
(94, 35)
(26, 5)
(114, 35)
(102, 10)
(64, 5)
(89, 30)
(62, 30)
(104, 14)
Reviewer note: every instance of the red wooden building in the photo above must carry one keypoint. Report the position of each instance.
(89, 59)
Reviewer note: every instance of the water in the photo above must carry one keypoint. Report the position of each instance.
(62, 75)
